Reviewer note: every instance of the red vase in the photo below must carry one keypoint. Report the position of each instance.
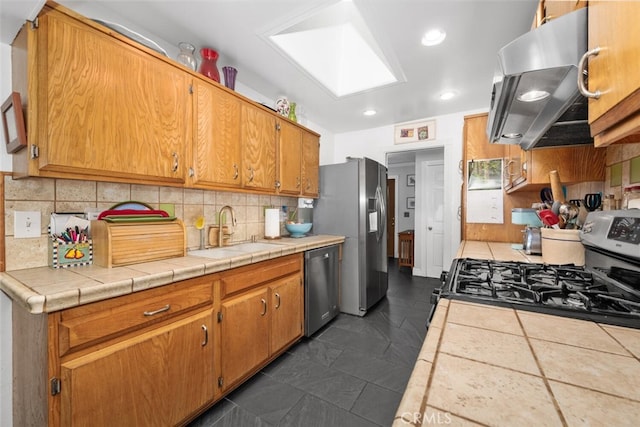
(208, 66)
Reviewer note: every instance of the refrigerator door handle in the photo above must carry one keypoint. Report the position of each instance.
(381, 211)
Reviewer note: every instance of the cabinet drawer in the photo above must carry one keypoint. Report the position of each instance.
(247, 277)
(86, 325)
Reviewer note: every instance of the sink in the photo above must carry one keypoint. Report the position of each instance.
(253, 247)
(235, 250)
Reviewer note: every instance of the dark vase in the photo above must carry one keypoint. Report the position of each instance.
(208, 66)
(229, 77)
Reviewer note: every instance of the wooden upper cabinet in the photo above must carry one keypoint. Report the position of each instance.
(310, 164)
(258, 139)
(217, 154)
(552, 9)
(290, 158)
(615, 71)
(100, 107)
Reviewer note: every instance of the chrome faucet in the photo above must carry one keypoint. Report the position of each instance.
(233, 223)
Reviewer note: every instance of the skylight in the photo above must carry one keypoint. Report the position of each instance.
(334, 47)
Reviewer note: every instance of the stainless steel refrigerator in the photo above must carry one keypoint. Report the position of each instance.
(353, 203)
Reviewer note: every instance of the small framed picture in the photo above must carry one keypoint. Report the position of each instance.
(411, 202)
(15, 135)
(411, 180)
(423, 130)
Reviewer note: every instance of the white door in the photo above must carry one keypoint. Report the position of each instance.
(433, 207)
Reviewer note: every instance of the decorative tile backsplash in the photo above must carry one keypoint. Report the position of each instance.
(623, 167)
(60, 195)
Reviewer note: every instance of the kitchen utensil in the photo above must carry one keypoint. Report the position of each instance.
(576, 202)
(546, 196)
(556, 186)
(568, 214)
(555, 207)
(548, 218)
(592, 201)
(532, 242)
(569, 211)
(582, 216)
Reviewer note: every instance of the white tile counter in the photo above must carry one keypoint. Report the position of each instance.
(45, 289)
(486, 365)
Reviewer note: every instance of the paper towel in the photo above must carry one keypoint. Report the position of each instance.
(271, 223)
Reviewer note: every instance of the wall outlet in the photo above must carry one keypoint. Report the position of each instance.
(26, 224)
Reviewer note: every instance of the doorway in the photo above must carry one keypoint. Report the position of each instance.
(413, 207)
(391, 217)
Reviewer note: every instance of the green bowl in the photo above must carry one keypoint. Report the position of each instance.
(298, 230)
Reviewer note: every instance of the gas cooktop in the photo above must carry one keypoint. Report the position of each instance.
(607, 296)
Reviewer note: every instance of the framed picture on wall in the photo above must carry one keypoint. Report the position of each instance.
(411, 180)
(411, 202)
(424, 130)
(13, 124)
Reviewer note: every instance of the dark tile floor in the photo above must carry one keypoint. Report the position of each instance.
(351, 373)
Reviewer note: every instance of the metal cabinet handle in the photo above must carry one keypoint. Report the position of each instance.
(277, 184)
(250, 174)
(175, 162)
(158, 311)
(206, 335)
(277, 300)
(308, 183)
(298, 182)
(582, 71)
(236, 172)
(264, 306)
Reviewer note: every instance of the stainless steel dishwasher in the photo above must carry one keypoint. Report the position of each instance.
(321, 287)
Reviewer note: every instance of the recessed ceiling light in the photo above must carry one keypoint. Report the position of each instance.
(369, 112)
(533, 95)
(445, 96)
(433, 37)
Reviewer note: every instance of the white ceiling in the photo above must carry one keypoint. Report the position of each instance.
(476, 30)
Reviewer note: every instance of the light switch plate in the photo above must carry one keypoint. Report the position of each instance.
(26, 224)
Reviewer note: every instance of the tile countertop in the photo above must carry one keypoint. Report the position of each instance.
(485, 365)
(45, 289)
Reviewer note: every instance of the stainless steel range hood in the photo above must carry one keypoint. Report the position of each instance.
(544, 60)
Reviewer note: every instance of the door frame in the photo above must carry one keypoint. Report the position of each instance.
(395, 215)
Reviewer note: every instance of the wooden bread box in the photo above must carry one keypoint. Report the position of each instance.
(124, 243)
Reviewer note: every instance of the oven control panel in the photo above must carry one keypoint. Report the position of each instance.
(613, 231)
(625, 229)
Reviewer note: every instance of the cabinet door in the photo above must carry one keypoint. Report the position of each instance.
(217, 154)
(290, 156)
(158, 378)
(258, 137)
(244, 334)
(106, 108)
(287, 312)
(310, 164)
(613, 26)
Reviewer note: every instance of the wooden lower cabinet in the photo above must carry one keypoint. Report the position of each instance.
(244, 333)
(259, 323)
(158, 378)
(157, 357)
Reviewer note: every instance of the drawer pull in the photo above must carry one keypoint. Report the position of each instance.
(277, 300)
(158, 311)
(206, 335)
(264, 306)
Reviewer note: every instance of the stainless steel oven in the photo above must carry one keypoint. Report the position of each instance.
(606, 289)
